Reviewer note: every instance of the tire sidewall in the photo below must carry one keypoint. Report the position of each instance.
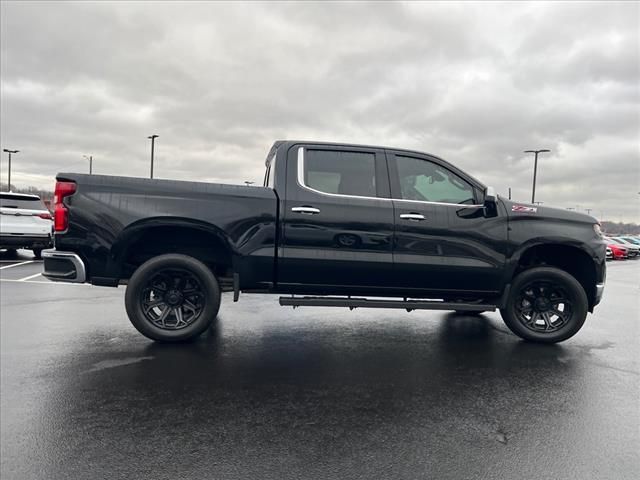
(575, 292)
(138, 282)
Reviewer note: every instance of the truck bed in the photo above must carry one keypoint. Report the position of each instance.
(110, 217)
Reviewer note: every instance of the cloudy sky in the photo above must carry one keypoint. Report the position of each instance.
(475, 83)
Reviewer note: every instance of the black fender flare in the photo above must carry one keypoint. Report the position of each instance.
(134, 231)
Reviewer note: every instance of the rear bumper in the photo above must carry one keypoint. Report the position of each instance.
(25, 241)
(63, 266)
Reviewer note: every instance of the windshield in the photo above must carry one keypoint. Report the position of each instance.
(622, 241)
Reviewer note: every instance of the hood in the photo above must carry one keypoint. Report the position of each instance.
(524, 209)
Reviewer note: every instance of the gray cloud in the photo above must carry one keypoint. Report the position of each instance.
(475, 83)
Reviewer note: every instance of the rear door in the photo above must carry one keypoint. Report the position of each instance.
(23, 215)
(338, 219)
(443, 240)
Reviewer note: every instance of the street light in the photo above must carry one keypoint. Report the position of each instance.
(90, 158)
(535, 170)
(153, 141)
(9, 175)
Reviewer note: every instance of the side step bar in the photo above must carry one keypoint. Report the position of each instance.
(368, 303)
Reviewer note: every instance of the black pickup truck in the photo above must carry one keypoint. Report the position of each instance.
(333, 225)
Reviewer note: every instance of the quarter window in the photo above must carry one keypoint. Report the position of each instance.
(343, 173)
(429, 182)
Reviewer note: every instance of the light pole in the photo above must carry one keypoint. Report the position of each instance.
(535, 171)
(90, 158)
(153, 141)
(9, 174)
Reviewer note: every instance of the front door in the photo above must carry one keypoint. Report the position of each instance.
(338, 219)
(444, 240)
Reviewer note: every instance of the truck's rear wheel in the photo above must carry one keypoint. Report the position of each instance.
(172, 298)
(545, 305)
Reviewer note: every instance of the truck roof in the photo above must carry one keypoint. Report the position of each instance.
(278, 143)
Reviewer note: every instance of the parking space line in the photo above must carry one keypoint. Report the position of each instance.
(17, 264)
(44, 282)
(29, 277)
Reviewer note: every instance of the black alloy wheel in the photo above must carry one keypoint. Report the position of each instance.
(172, 298)
(546, 305)
(543, 306)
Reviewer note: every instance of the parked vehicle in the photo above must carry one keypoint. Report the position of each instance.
(618, 251)
(632, 247)
(334, 225)
(24, 223)
(634, 240)
(632, 250)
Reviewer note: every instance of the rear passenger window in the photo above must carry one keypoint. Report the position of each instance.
(344, 173)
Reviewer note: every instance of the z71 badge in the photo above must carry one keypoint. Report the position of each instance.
(524, 209)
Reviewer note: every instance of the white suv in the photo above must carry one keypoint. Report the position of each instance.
(25, 222)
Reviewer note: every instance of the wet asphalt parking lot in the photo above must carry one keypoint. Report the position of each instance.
(276, 393)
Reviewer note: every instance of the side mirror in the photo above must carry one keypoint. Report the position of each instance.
(489, 196)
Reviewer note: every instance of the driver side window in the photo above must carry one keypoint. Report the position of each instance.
(429, 182)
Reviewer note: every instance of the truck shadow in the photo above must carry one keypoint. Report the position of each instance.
(301, 388)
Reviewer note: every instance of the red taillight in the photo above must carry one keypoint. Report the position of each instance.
(60, 213)
(44, 216)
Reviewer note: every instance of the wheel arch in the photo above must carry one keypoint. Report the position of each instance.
(159, 235)
(566, 254)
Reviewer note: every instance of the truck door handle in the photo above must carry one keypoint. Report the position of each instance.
(416, 217)
(306, 210)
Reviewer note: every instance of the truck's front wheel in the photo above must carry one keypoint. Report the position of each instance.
(545, 305)
(172, 298)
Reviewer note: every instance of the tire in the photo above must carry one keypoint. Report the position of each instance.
(172, 298)
(37, 253)
(545, 305)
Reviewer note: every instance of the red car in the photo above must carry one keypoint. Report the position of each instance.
(619, 252)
